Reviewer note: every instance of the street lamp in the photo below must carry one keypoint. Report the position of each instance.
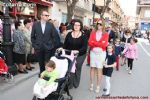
(7, 44)
(94, 10)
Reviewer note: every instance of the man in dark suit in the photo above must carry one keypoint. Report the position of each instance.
(111, 34)
(45, 39)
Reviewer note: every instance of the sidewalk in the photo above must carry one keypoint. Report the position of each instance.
(4, 85)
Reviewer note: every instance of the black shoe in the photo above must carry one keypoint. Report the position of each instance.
(25, 71)
(20, 71)
(106, 95)
(104, 89)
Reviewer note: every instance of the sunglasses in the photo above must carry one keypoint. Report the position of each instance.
(46, 15)
(99, 24)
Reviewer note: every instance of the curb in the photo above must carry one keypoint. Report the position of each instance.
(17, 80)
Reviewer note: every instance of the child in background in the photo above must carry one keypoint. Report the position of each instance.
(131, 53)
(117, 52)
(46, 84)
(109, 64)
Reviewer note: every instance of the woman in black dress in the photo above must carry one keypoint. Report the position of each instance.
(76, 41)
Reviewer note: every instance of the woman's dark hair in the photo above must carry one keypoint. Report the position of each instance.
(66, 24)
(63, 28)
(79, 21)
(127, 31)
(26, 21)
(62, 24)
(134, 39)
(17, 24)
(111, 45)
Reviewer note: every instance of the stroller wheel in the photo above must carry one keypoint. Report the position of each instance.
(69, 98)
(10, 77)
(61, 97)
(34, 98)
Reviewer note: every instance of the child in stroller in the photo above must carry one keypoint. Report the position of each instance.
(45, 84)
(64, 67)
(4, 68)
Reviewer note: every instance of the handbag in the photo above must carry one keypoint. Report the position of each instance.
(32, 58)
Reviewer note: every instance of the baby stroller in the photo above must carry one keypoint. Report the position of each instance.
(4, 69)
(65, 65)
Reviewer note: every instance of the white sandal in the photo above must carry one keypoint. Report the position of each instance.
(91, 87)
(97, 89)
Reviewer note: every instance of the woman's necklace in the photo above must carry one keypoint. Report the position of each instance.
(74, 34)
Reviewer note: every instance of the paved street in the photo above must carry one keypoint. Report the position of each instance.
(123, 84)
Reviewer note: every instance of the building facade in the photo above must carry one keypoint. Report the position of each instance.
(26, 8)
(83, 11)
(143, 13)
(113, 13)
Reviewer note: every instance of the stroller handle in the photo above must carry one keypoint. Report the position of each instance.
(58, 51)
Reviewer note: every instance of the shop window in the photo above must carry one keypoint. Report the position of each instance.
(147, 13)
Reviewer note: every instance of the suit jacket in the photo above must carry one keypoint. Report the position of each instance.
(47, 40)
(111, 35)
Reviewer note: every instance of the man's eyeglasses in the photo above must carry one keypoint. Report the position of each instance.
(46, 15)
(99, 24)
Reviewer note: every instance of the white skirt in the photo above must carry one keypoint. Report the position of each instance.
(97, 57)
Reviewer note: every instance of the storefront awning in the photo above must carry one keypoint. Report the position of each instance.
(41, 2)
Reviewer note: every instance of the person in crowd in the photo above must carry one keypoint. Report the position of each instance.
(148, 33)
(19, 49)
(117, 52)
(131, 52)
(1, 30)
(109, 64)
(121, 33)
(134, 33)
(56, 24)
(51, 21)
(124, 42)
(87, 31)
(111, 34)
(60, 27)
(76, 41)
(45, 39)
(70, 25)
(27, 33)
(98, 41)
(63, 33)
(117, 33)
